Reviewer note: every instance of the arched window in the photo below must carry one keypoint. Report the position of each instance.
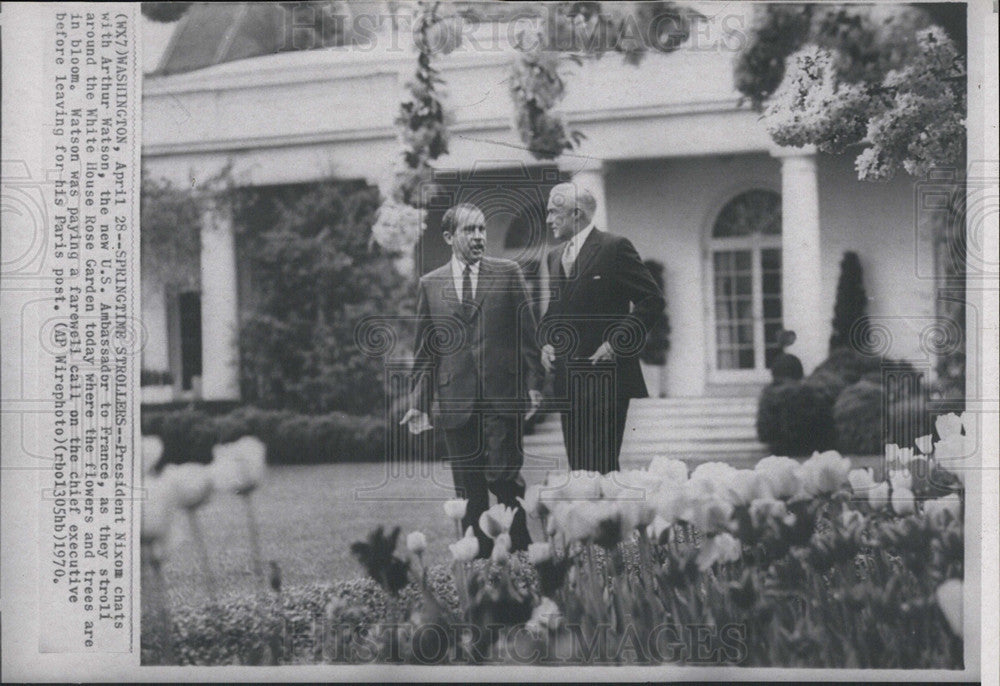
(745, 263)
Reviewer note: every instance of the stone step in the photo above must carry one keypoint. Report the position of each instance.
(663, 448)
(661, 434)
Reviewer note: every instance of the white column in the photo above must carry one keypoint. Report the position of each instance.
(219, 304)
(803, 308)
(589, 174)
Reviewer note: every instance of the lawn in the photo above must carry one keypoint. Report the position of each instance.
(309, 516)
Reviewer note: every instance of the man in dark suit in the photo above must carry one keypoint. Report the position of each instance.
(476, 360)
(604, 301)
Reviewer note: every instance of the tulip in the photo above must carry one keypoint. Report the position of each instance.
(501, 548)
(721, 548)
(496, 520)
(861, 480)
(713, 475)
(466, 548)
(745, 486)
(192, 484)
(902, 501)
(455, 509)
(901, 479)
(545, 617)
(878, 495)
(531, 502)
(539, 552)
(851, 519)
(416, 543)
(657, 527)
(709, 515)
(925, 444)
(941, 510)
(668, 469)
(764, 510)
(783, 475)
(948, 425)
(239, 466)
(949, 599)
(152, 450)
(825, 472)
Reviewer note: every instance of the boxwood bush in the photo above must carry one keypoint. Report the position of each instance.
(857, 415)
(794, 418)
(291, 438)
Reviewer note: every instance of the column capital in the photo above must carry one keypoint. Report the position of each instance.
(788, 151)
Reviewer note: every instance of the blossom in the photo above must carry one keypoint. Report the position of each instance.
(896, 455)
(657, 527)
(861, 480)
(925, 444)
(152, 450)
(948, 425)
(878, 495)
(397, 226)
(721, 548)
(851, 519)
(668, 469)
(714, 474)
(416, 542)
(949, 599)
(902, 501)
(544, 617)
(632, 484)
(901, 479)
(708, 514)
(239, 466)
(531, 502)
(764, 510)
(466, 548)
(455, 509)
(191, 482)
(825, 472)
(783, 475)
(745, 486)
(940, 510)
(539, 552)
(157, 509)
(585, 521)
(496, 520)
(667, 503)
(501, 548)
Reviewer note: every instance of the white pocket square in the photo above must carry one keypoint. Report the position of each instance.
(597, 277)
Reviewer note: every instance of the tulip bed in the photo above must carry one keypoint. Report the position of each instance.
(788, 564)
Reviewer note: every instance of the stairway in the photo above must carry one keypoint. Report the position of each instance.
(695, 430)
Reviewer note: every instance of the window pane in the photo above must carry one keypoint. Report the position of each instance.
(746, 358)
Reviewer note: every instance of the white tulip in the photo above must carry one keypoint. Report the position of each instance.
(668, 469)
(501, 548)
(416, 542)
(466, 548)
(861, 480)
(544, 617)
(496, 520)
(901, 479)
(455, 509)
(948, 425)
(925, 444)
(783, 474)
(941, 510)
(239, 466)
(531, 502)
(191, 482)
(539, 552)
(825, 472)
(745, 486)
(720, 548)
(903, 501)
(657, 527)
(878, 495)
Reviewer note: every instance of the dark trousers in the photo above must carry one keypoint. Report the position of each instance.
(593, 430)
(485, 459)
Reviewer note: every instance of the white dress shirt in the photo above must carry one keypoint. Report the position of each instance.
(572, 249)
(458, 271)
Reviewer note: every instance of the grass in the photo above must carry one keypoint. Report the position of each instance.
(308, 517)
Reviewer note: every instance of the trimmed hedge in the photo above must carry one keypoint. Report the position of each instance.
(794, 418)
(858, 417)
(291, 438)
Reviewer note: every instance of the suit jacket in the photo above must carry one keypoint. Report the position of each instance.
(609, 296)
(481, 354)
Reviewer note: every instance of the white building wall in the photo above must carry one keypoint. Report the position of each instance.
(156, 353)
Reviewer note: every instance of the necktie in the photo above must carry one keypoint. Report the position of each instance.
(467, 285)
(568, 257)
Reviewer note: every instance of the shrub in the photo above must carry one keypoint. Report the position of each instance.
(851, 305)
(857, 415)
(827, 384)
(188, 435)
(850, 365)
(794, 418)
